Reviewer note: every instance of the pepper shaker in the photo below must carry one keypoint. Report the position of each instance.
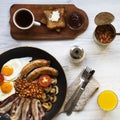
(77, 54)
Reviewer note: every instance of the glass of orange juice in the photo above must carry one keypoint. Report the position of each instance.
(107, 100)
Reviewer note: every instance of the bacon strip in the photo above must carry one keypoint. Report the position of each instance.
(15, 112)
(26, 110)
(7, 103)
(37, 110)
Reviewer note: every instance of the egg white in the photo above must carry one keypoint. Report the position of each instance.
(3, 96)
(17, 64)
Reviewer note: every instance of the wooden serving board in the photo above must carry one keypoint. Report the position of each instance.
(42, 32)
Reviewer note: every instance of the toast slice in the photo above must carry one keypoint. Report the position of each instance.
(55, 18)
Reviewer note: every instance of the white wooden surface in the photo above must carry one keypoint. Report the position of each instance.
(106, 61)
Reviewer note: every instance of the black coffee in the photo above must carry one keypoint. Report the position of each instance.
(23, 18)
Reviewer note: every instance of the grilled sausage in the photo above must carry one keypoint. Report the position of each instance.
(32, 65)
(42, 71)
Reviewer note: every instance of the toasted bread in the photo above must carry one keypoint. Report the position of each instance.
(43, 20)
(55, 18)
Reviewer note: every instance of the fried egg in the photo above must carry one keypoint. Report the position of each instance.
(12, 68)
(6, 90)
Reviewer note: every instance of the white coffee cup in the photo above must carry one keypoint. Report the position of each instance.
(24, 19)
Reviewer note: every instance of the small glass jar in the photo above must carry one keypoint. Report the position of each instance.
(75, 20)
(77, 54)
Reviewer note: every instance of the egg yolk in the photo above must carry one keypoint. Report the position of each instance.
(6, 70)
(6, 87)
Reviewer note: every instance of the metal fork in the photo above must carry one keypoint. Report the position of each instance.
(84, 79)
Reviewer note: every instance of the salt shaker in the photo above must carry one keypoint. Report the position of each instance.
(77, 54)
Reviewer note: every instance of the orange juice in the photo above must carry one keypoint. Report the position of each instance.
(107, 100)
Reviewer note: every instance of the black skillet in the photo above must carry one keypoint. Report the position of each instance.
(36, 53)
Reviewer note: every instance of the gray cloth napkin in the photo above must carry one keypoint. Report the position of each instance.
(90, 89)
